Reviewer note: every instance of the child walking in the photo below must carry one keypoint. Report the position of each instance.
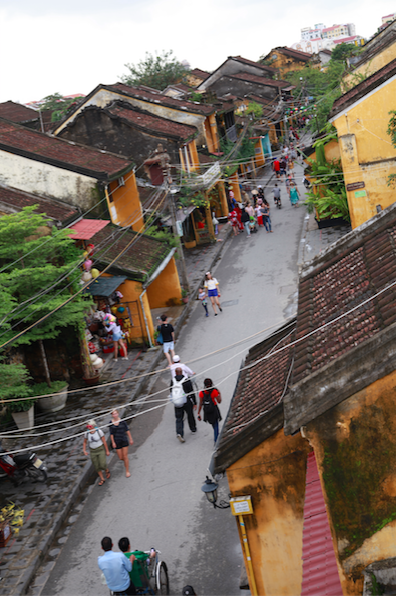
(202, 297)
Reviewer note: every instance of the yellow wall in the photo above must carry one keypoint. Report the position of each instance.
(366, 152)
(284, 63)
(370, 66)
(165, 290)
(124, 203)
(359, 437)
(258, 154)
(274, 475)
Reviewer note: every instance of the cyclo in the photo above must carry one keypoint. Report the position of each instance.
(149, 574)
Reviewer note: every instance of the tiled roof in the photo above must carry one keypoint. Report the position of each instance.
(344, 39)
(17, 112)
(260, 387)
(364, 87)
(252, 63)
(261, 80)
(199, 74)
(158, 98)
(17, 199)
(298, 54)
(139, 261)
(85, 229)
(145, 120)
(320, 572)
(60, 153)
(357, 266)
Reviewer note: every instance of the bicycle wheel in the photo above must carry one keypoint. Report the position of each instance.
(162, 578)
(40, 475)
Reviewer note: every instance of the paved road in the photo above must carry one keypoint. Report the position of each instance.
(161, 505)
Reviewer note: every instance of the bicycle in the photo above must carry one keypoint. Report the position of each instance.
(149, 574)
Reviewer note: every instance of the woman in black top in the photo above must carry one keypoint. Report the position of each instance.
(121, 438)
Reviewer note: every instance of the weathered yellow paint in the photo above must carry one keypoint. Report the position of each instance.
(211, 134)
(223, 199)
(234, 186)
(273, 474)
(284, 63)
(373, 408)
(124, 203)
(370, 66)
(259, 157)
(165, 290)
(367, 154)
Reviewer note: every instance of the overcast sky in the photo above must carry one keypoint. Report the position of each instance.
(47, 46)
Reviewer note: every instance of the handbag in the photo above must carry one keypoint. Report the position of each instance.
(215, 221)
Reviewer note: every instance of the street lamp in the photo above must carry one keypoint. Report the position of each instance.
(210, 489)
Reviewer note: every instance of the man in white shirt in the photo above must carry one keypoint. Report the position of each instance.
(187, 372)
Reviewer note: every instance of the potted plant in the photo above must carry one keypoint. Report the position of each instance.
(11, 519)
(15, 394)
(53, 403)
(184, 296)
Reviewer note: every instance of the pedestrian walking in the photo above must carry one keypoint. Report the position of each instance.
(245, 219)
(209, 399)
(186, 370)
(168, 336)
(184, 400)
(294, 194)
(233, 220)
(116, 568)
(121, 438)
(110, 323)
(276, 167)
(283, 166)
(276, 193)
(215, 223)
(259, 215)
(204, 302)
(265, 210)
(213, 291)
(98, 450)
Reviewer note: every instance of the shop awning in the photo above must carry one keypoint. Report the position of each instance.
(86, 228)
(105, 286)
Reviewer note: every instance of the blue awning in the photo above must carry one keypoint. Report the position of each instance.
(105, 286)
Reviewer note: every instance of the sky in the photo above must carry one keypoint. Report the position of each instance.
(69, 47)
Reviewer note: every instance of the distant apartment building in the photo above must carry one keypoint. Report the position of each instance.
(321, 37)
(338, 31)
(316, 32)
(388, 18)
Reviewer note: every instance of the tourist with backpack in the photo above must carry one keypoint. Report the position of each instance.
(208, 400)
(184, 400)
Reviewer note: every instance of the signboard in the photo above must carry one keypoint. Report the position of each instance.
(360, 193)
(179, 228)
(211, 174)
(241, 505)
(355, 186)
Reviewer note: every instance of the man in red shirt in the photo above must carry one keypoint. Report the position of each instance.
(276, 167)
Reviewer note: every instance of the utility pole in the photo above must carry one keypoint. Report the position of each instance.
(163, 159)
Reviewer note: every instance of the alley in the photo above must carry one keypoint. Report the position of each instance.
(162, 505)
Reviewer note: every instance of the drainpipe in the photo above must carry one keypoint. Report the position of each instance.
(145, 318)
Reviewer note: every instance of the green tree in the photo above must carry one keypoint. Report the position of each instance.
(344, 50)
(38, 274)
(156, 71)
(58, 105)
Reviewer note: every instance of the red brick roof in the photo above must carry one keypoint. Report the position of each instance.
(139, 261)
(85, 229)
(17, 112)
(17, 199)
(60, 153)
(298, 54)
(145, 120)
(364, 87)
(158, 98)
(199, 74)
(261, 80)
(357, 267)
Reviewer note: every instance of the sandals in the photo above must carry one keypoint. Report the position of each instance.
(107, 474)
(101, 482)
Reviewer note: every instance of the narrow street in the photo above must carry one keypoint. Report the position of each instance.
(161, 504)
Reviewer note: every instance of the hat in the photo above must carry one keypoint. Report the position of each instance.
(176, 358)
(91, 423)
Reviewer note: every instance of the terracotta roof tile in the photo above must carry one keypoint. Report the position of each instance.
(252, 63)
(261, 80)
(17, 199)
(298, 54)
(261, 387)
(336, 287)
(36, 145)
(151, 122)
(199, 74)
(159, 98)
(140, 260)
(17, 112)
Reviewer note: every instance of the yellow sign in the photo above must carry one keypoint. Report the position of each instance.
(241, 505)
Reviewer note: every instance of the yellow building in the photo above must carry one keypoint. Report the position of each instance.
(361, 117)
(310, 432)
(286, 59)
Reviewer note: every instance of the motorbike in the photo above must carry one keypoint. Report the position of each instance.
(20, 465)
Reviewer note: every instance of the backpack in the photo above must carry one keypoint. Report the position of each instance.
(209, 407)
(178, 396)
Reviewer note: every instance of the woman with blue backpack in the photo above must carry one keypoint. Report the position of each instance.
(208, 400)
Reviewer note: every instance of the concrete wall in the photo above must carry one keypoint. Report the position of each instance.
(274, 475)
(355, 447)
(165, 290)
(239, 87)
(48, 180)
(367, 154)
